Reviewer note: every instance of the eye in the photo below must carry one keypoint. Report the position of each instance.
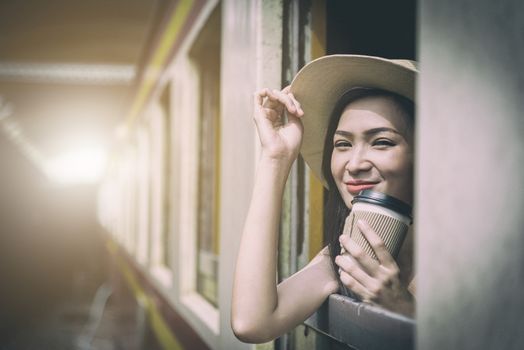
(342, 144)
(383, 143)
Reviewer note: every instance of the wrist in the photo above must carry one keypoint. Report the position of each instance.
(405, 305)
(276, 169)
(280, 160)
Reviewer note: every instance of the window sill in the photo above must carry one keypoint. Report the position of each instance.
(362, 326)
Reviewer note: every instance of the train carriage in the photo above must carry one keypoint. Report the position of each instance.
(179, 181)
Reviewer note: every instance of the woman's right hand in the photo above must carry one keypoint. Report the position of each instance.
(280, 140)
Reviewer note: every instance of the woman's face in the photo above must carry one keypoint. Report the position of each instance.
(373, 149)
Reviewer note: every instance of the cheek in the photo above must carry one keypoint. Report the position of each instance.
(392, 163)
(399, 172)
(333, 166)
(400, 166)
(337, 166)
(405, 166)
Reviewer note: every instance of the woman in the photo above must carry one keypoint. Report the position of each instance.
(367, 143)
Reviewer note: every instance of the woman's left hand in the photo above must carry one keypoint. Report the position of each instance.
(374, 281)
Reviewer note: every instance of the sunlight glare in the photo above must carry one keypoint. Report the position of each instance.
(82, 166)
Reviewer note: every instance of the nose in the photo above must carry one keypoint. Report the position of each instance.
(358, 161)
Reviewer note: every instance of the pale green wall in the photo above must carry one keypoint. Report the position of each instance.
(470, 169)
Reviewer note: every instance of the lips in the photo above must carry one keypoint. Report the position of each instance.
(354, 187)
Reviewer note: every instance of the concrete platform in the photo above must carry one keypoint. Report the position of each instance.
(108, 321)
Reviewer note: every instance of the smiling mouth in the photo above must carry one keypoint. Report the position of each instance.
(355, 188)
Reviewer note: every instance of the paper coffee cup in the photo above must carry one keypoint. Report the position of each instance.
(388, 216)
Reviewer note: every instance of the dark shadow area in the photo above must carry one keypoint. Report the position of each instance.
(376, 27)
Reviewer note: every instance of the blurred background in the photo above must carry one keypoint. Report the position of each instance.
(67, 69)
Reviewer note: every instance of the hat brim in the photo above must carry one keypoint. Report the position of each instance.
(320, 84)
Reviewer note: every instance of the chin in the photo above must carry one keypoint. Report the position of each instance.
(347, 200)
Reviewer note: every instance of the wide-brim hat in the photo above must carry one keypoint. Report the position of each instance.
(320, 84)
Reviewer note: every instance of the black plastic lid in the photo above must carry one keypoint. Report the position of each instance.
(384, 200)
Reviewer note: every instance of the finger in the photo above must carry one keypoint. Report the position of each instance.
(261, 100)
(369, 264)
(276, 96)
(344, 241)
(357, 288)
(353, 268)
(264, 107)
(376, 243)
(356, 251)
(299, 111)
(258, 97)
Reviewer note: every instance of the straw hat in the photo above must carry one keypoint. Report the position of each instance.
(319, 85)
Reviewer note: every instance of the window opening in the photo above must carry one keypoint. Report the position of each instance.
(165, 250)
(206, 55)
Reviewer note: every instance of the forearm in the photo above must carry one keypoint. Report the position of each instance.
(255, 286)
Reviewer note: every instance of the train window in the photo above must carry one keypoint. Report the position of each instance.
(205, 54)
(357, 27)
(158, 117)
(129, 187)
(116, 209)
(141, 242)
(312, 29)
(129, 196)
(166, 169)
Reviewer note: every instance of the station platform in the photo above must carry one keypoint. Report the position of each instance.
(108, 320)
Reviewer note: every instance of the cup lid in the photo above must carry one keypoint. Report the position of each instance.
(384, 200)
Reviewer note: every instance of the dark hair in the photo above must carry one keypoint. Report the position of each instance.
(336, 211)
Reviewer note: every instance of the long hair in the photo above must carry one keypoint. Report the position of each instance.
(336, 211)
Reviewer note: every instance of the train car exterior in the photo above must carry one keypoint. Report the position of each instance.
(179, 182)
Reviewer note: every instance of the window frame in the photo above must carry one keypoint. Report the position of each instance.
(362, 326)
(372, 327)
(158, 263)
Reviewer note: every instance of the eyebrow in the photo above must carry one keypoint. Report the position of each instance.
(368, 132)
